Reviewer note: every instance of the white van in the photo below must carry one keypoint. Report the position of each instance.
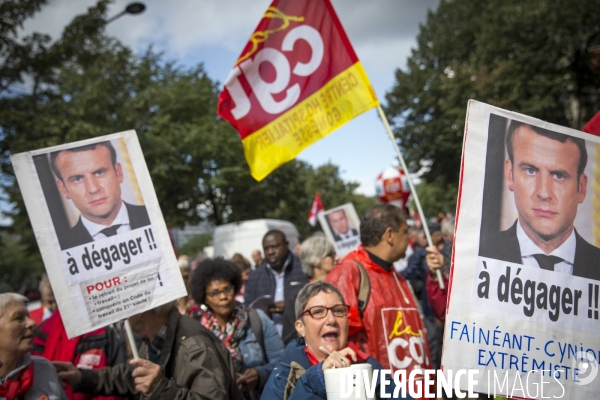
(246, 236)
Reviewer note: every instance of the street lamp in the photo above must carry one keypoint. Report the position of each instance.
(132, 8)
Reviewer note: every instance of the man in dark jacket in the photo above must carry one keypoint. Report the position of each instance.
(179, 359)
(280, 277)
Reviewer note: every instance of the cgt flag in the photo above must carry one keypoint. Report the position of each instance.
(593, 125)
(296, 81)
(315, 209)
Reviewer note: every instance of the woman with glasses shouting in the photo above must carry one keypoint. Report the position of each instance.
(322, 324)
(249, 335)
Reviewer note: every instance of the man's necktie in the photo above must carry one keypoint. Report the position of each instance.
(111, 230)
(547, 262)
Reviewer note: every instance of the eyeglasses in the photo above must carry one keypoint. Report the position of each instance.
(319, 312)
(227, 290)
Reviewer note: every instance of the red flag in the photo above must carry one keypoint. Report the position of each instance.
(593, 125)
(296, 81)
(315, 209)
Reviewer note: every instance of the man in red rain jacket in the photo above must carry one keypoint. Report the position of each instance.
(390, 328)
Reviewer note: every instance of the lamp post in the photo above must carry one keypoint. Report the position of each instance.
(132, 8)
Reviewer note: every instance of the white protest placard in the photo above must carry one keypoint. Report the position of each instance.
(341, 225)
(100, 230)
(523, 304)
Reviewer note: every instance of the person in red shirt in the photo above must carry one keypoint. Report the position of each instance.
(389, 327)
(435, 260)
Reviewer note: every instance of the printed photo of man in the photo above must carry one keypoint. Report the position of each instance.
(91, 178)
(544, 171)
(338, 220)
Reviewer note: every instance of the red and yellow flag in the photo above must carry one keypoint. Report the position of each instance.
(296, 81)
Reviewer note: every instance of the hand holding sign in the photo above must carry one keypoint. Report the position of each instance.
(67, 372)
(145, 376)
(100, 230)
(434, 260)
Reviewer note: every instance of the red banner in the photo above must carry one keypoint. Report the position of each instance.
(315, 209)
(296, 81)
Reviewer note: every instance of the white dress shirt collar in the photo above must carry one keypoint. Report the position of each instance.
(95, 229)
(566, 251)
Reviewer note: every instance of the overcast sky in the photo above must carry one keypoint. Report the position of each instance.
(215, 31)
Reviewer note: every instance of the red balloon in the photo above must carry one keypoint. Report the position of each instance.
(392, 187)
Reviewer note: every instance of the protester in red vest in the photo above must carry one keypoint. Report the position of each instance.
(391, 317)
(95, 350)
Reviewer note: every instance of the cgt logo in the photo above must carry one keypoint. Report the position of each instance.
(274, 95)
(393, 188)
(407, 348)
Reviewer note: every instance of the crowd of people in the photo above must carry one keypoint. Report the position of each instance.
(248, 330)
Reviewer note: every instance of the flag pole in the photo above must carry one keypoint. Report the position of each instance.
(412, 188)
(134, 350)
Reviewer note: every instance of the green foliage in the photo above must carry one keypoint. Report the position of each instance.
(436, 196)
(17, 264)
(529, 57)
(195, 245)
(87, 85)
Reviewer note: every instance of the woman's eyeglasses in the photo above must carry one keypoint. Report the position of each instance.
(318, 312)
(227, 290)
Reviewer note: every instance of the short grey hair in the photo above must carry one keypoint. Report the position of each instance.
(44, 282)
(312, 251)
(311, 290)
(7, 299)
(448, 227)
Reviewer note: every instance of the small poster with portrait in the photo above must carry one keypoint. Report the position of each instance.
(341, 225)
(523, 297)
(100, 230)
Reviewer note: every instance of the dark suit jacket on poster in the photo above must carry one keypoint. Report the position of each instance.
(338, 237)
(78, 235)
(505, 246)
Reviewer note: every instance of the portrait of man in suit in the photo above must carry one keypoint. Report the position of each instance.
(544, 170)
(91, 178)
(338, 220)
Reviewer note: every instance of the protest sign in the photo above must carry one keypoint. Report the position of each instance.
(341, 226)
(100, 230)
(523, 304)
(296, 81)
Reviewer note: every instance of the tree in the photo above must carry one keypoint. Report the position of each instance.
(436, 196)
(195, 245)
(527, 57)
(17, 264)
(12, 52)
(87, 85)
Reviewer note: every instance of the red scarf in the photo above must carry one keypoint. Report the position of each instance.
(13, 388)
(360, 355)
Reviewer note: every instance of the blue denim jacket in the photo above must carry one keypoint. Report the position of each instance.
(253, 354)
